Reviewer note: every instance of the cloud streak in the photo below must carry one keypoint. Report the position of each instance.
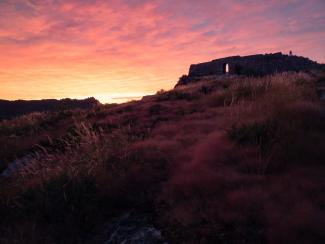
(56, 48)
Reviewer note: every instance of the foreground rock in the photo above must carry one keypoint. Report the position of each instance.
(16, 165)
(129, 229)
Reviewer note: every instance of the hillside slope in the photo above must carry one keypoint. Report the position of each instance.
(238, 160)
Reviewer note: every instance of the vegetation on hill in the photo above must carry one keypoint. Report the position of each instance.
(11, 109)
(239, 160)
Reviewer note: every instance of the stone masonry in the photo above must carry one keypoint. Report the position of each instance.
(254, 65)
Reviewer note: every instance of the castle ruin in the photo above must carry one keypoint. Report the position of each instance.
(253, 65)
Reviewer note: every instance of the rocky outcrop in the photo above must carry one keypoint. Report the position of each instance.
(16, 165)
(129, 229)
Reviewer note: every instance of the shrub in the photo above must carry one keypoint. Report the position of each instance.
(260, 134)
(176, 95)
(64, 207)
(206, 89)
(160, 92)
(219, 98)
(155, 109)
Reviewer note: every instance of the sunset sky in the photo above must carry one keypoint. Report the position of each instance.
(117, 50)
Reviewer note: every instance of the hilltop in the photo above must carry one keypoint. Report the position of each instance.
(235, 160)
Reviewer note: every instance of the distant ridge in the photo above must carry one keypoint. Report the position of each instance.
(11, 109)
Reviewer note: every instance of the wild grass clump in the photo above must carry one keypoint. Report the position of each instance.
(33, 123)
(66, 204)
(62, 209)
(251, 89)
(136, 180)
(279, 117)
(25, 124)
(155, 109)
(230, 188)
(176, 95)
(236, 92)
(85, 151)
(66, 193)
(21, 135)
(255, 134)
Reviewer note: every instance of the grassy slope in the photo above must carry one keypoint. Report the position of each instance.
(234, 161)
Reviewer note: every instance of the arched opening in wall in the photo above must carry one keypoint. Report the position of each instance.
(226, 68)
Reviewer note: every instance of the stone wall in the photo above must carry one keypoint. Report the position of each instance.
(254, 65)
